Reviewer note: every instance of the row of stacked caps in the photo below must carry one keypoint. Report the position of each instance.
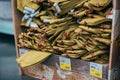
(79, 29)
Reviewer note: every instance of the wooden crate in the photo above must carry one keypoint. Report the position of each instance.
(80, 69)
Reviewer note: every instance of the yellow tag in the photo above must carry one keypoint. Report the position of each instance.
(65, 63)
(65, 66)
(96, 70)
(96, 73)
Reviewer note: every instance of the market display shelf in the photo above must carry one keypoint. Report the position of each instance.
(76, 69)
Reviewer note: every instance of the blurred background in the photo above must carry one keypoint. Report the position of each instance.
(8, 64)
(6, 25)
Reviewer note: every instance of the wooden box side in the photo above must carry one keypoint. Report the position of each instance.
(115, 49)
(16, 20)
(17, 29)
(114, 52)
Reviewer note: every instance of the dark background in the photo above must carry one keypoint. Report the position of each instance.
(8, 64)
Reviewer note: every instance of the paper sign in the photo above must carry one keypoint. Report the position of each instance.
(96, 70)
(65, 63)
(23, 51)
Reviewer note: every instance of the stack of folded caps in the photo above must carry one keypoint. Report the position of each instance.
(33, 38)
(85, 42)
(72, 28)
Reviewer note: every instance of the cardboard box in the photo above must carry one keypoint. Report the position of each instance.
(75, 69)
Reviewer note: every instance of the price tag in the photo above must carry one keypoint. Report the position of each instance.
(23, 51)
(65, 63)
(96, 70)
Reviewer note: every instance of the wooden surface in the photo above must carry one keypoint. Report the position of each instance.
(17, 29)
(114, 51)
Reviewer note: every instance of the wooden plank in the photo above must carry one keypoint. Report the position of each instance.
(114, 51)
(17, 30)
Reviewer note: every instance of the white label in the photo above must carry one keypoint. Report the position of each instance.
(23, 51)
(65, 63)
(96, 70)
(46, 20)
(110, 15)
(57, 7)
(25, 17)
(26, 12)
(28, 22)
(33, 14)
(29, 9)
